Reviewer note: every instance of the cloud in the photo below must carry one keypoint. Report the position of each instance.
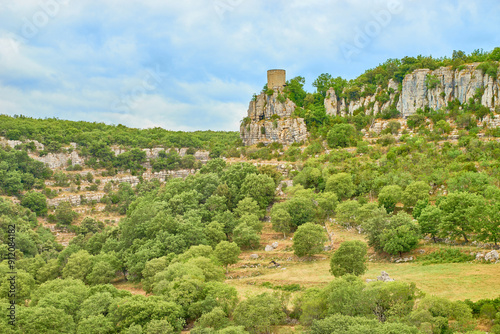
(84, 58)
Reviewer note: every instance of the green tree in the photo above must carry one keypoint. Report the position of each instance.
(260, 187)
(64, 214)
(98, 324)
(308, 239)
(349, 258)
(48, 320)
(389, 196)
(430, 220)
(347, 212)
(257, 314)
(245, 236)
(401, 235)
(227, 253)
(342, 135)
(341, 184)
(459, 214)
(79, 265)
(487, 227)
(281, 220)
(215, 233)
(36, 202)
(415, 191)
(216, 319)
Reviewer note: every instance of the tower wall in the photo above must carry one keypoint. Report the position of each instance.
(276, 78)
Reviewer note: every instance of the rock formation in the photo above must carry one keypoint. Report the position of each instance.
(416, 91)
(269, 120)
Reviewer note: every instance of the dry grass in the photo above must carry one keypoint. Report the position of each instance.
(455, 281)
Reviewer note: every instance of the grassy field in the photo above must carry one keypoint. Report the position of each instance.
(455, 281)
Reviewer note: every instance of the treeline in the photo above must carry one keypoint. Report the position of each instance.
(55, 133)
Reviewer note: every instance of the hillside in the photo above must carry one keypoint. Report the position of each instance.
(121, 230)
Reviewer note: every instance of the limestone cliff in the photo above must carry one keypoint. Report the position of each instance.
(422, 88)
(269, 120)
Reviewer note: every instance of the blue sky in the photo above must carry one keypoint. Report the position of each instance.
(194, 64)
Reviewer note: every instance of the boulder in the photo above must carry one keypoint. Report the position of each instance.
(254, 256)
(491, 256)
(269, 248)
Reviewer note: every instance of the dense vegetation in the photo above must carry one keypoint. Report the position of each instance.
(179, 240)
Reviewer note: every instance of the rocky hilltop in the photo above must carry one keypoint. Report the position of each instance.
(269, 120)
(422, 88)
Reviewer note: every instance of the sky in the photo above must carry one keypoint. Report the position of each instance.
(194, 64)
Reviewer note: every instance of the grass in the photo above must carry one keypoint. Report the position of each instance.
(455, 281)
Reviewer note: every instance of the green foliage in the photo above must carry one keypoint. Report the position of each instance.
(308, 239)
(341, 184)
(415, 191)
(432, 81)
(64, 214)
(349, 258)
(401, 235)
(257, 314)
(36, 202)
(227, 253)
(447, 255)
(490, 68)
(342, 135)
(389, 197)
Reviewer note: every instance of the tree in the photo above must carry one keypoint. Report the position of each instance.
(342, 135)
(389, 196)
(401, 235)
(98, 324)
(347, 212)
(215, 233)
(301, 209)
(245, 236)
(257, 314)
(281, 220)
(459, 214)
(227, 253)
(350, 258)
(430, 220)
(260, 187)
(308, 239)
(247, 206)
(36, 202)
(488, 226)
(64, 214)
(341, 184)
(216, 319)
(48, 320)
(415, 191)
(79, 265)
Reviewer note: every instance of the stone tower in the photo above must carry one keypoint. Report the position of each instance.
(276, 78)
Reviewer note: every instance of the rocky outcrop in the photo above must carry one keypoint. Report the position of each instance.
(270, 120)
(422, 88)
(286, 131)
(58, 160)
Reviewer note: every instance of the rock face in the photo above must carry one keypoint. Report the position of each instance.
(269, 120)
(422, 88)
(57, 160)
(285, 131)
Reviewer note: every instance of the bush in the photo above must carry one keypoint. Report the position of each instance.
(448, 255)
